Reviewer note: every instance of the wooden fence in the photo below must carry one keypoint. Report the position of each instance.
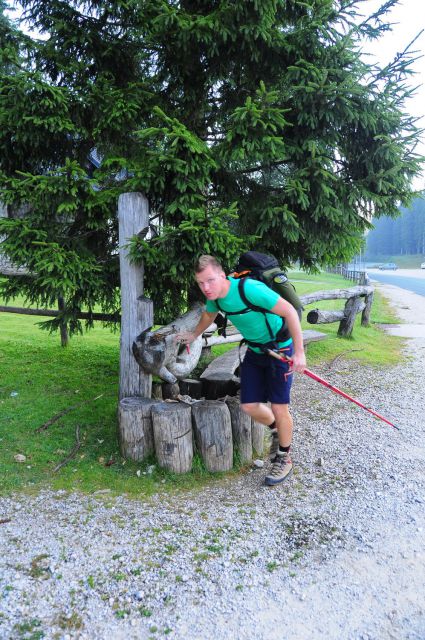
(355, 275)
(359, 299)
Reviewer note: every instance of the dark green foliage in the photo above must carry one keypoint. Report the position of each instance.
(247, 123)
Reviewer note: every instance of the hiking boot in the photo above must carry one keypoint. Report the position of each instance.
(282, 467)
(274, 446)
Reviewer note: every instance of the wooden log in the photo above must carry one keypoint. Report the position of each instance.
(135, 427)
(211, 341)
(192, 388)
(319, 316)
(220, 385)
(351, 309)
(241, 430)
(172, 430)
(367, 309)
(170, 391)
(136, 310)
(213, 434)
(333, 294)
(257, 434)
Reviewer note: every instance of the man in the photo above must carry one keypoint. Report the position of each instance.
(263, 378)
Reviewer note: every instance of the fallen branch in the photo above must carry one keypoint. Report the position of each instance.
(72, 453)
(343, 353)
(57, 417)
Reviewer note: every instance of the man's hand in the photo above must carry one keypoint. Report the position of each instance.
(298, 363)
(185, 337)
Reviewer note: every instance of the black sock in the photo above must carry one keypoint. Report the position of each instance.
(272, 426)
(284, 449)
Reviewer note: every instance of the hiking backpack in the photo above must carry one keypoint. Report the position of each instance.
(266, 269)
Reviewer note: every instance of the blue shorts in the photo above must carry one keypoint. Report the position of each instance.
(265, 379)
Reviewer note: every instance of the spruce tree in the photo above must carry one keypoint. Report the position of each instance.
(247, 124)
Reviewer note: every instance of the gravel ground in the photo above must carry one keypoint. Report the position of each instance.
(337, 552)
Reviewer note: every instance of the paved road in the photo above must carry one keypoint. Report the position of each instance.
(409, 279)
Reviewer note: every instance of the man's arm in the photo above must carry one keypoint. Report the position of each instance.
(207, 318)
(285, 310)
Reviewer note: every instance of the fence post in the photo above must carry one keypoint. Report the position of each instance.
(366, 311)
(350, 310)
(136, 310)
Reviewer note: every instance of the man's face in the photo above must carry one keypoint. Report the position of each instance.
(211, 281)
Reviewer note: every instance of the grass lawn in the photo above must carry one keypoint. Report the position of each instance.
(39, 380)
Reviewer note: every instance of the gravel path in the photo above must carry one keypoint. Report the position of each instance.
(337, 552)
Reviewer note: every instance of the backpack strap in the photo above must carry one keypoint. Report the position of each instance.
(281, 336)
(223, 328)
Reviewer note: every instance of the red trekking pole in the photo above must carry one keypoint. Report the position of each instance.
(330, 386)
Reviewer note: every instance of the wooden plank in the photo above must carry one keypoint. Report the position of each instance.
(228, 362)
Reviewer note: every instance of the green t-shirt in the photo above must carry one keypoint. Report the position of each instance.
(251, 325)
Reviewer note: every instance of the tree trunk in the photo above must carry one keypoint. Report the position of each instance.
(136, 310)
(241, 430)
(213, 434)
(172, 430)
(62, 327)
(257, 438)
(135, 427)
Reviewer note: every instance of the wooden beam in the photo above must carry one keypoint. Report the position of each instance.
(51, 313)
(136, 310)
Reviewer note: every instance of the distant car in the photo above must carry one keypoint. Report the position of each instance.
(388, 266)
(423, 265)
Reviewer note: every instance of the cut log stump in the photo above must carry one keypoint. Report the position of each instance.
(135, 427)
(241, 430)
(170, 391)
(192, 388)
(220, 385)
(213, 434)
(172, 430)
(257, 431)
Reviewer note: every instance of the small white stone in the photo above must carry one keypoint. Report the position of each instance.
(258, 464)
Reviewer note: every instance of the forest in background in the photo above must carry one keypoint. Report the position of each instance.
(404, 235)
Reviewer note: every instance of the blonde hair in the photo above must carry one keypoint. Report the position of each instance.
(207, 261)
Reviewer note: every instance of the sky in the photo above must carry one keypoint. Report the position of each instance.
(408, 18)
